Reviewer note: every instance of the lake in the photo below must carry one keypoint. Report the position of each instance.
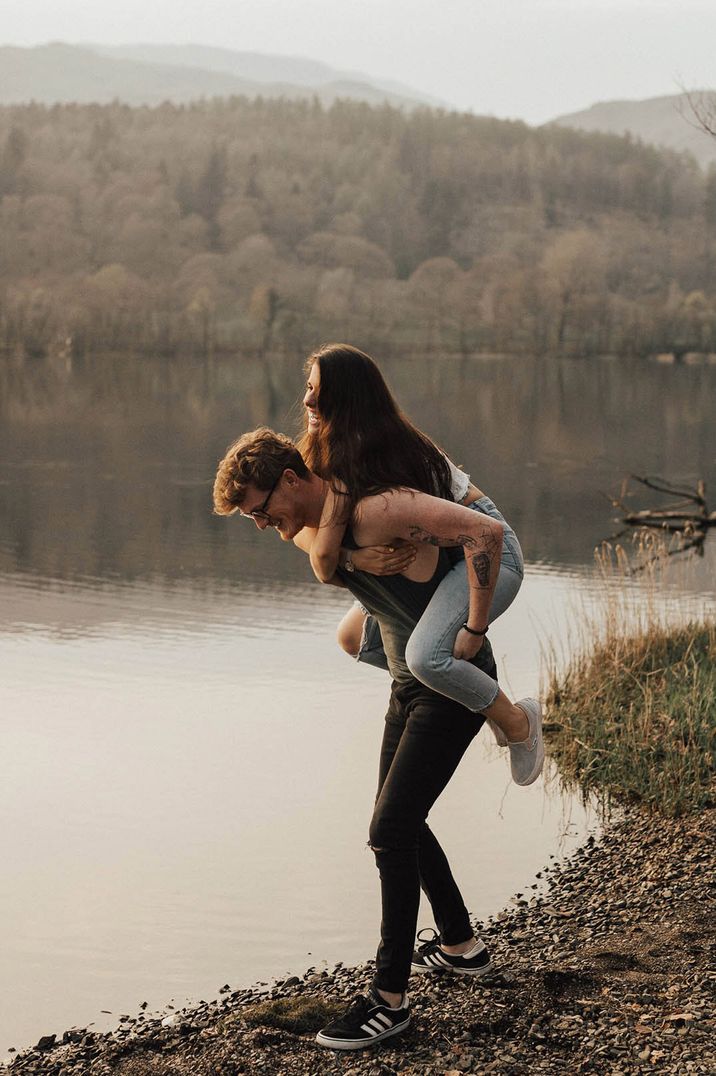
(189, 761)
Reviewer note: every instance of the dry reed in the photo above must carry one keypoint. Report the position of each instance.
(632, 713)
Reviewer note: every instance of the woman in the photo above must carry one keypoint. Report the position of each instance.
(356, 436)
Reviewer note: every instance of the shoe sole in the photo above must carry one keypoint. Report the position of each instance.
(359, 1044)
(423, 969)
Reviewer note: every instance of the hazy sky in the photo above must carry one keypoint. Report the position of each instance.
(531, 59)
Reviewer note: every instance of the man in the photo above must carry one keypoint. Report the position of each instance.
(264, 477)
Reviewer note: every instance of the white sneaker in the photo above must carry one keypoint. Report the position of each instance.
(527, 756)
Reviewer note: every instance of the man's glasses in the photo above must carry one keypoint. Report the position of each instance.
(260, 512)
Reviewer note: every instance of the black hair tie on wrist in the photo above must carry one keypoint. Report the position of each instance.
(473, 632)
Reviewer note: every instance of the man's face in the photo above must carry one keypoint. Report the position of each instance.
(280, 508)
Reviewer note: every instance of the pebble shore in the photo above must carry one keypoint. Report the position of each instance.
(610, 969)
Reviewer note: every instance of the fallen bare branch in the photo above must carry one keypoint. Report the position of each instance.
(687, 519)
(661, 486)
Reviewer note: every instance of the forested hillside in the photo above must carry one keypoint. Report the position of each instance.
(271, 224)
(662, 121)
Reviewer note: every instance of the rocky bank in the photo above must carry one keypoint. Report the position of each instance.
(610, 969)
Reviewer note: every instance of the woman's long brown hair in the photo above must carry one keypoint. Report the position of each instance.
(364, 440)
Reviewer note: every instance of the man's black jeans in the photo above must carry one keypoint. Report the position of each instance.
(425, 737)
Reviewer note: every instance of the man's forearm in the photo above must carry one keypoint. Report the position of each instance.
(326, 550)
(335, 581)
(304, 540)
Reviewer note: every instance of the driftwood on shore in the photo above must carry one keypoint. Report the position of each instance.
(688, 518)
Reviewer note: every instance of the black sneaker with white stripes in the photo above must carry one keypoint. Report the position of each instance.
(430, 957)
(367, 1020)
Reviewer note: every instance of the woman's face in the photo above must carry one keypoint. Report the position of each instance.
(310, 400)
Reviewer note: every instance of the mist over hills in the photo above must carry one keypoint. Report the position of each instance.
(262, 67)
(663, 121)
(150, 74)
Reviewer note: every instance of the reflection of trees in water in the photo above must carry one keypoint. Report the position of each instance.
(271, 408)
(113, 387)
(106, 467)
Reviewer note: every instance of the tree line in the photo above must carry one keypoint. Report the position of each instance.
(275, 224)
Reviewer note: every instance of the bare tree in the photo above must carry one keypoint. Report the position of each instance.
(700, 110)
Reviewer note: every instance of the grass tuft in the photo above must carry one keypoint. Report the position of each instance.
(633, 713)
(290, 1014)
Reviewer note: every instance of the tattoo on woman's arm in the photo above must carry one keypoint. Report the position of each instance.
(481, 561)
(481, 564)
(420, 534)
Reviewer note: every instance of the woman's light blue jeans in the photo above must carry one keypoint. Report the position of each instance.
(429, 651)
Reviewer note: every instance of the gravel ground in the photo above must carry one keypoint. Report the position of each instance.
(609, 970)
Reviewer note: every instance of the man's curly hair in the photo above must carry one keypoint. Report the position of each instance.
(258, 458)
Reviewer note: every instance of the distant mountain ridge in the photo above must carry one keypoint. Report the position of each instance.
(262, 67)
(150, 74)
(663, 121)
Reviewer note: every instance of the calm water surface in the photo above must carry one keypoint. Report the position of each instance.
(188, 760)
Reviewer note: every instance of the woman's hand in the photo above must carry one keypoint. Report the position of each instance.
(467, 645)
(384, 559)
